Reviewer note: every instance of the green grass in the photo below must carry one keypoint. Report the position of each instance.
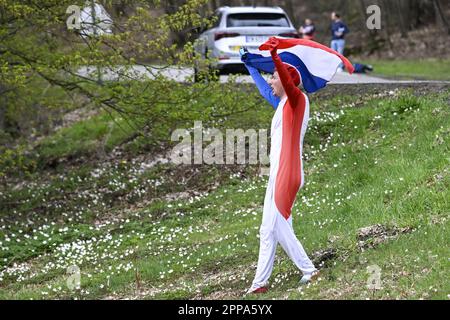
(424, 69)
(99, 133)
(369, 160)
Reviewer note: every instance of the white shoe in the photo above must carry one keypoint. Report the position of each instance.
(309, 277)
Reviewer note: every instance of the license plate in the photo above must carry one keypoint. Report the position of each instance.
(251, 49)
(259, 39)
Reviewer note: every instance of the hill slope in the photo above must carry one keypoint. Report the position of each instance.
(376, 196)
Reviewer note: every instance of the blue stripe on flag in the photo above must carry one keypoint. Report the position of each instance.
(310, 82)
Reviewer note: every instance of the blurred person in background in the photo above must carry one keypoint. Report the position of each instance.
(308, 30)
(338, 31)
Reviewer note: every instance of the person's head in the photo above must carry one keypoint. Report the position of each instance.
(277, 86)
(275, 83)
(308, 22)
(335, 16)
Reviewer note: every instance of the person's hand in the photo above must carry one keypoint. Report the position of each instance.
(273, 44)
(243, 53)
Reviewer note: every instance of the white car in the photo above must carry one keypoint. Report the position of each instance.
(238, 27)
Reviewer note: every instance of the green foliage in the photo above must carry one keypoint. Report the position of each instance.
(15, 161)
(40, 61)
(386, 163)
(36, 43)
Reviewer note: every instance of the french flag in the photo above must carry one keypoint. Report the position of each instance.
(316, 63)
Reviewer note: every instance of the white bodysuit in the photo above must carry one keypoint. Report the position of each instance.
(286, 177)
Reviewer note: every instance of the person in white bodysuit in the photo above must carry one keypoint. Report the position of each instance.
(286, 176)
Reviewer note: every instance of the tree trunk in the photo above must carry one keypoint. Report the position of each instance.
(363, 12)
(290, 11)
(386, 12)
(3, 106)
(440, 14)
(400, 14)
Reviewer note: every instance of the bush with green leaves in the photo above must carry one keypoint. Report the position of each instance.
(40, 61)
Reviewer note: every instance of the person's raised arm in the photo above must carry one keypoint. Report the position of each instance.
(264, 88)
(292, 91)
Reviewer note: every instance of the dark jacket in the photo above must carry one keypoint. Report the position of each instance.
(338, 26)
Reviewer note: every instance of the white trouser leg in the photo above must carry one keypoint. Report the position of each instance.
(267, 241)
(284, 233)
(267, 249)
(275, 228)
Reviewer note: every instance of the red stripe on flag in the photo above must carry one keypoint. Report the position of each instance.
(288, 43)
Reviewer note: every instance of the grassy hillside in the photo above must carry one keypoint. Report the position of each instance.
(423, 69)
(142, 229)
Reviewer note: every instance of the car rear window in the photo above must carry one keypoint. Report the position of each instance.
(257, 20)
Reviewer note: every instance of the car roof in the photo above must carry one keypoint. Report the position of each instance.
(245, 9)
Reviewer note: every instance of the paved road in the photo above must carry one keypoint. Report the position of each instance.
(183, 74)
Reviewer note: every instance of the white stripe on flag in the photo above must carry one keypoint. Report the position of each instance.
(320, 63)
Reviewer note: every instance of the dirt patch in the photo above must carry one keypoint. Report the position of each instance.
(77, 115)
(323, 258)
(371, 236)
